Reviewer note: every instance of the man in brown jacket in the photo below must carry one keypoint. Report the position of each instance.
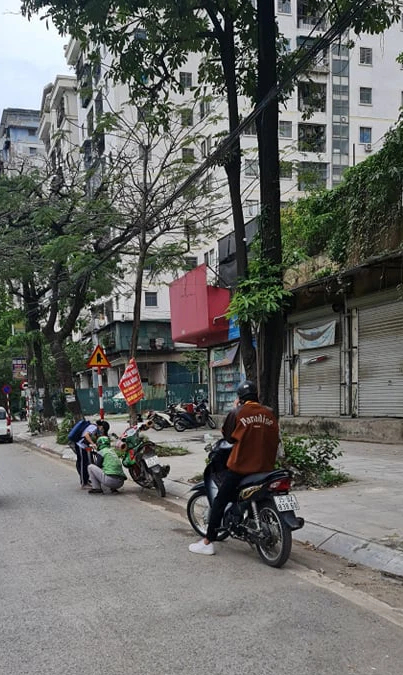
(253, 430)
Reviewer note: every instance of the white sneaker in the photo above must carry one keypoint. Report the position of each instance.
(201, 547)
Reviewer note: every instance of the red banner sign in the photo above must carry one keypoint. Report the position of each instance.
(130, 384)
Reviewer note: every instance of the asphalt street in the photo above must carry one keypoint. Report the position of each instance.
(95, 584)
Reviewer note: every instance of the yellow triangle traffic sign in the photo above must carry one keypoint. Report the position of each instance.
(98, 359)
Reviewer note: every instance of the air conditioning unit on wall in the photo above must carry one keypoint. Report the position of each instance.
(368, 147)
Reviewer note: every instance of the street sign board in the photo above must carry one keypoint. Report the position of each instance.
(6, 389)
(130, 384)
(20, 368)
(98, 359)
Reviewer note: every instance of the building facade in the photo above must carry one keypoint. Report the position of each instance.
(20, 145)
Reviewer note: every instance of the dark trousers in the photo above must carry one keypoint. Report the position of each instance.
(226, 494)
(83, 459)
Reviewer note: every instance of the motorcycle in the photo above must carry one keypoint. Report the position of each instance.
(141, 459)
(263, 514)
(198, 416)
(164, 419)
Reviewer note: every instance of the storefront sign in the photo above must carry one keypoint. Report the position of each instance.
(130, 384)
(223, 357)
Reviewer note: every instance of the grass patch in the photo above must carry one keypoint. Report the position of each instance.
(196, 479)
(163, 450)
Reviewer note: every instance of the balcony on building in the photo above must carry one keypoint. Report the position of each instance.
(198, 310)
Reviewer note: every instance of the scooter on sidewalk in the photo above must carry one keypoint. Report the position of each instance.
(163, 419)
(199, 417)
(262, 515)
(141, 460)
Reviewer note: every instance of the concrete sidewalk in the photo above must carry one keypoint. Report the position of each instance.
(361, 520)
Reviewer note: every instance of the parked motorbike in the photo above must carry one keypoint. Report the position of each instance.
(263, 514)
(164, 419)
(141, 459)
(199, 417)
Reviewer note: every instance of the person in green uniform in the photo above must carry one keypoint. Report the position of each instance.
(107, 474)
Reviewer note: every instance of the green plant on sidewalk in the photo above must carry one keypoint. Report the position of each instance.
(64, 428)
(309, 458)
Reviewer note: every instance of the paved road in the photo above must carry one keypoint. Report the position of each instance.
(94, 584)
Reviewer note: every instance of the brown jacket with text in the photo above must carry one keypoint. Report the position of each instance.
(253, 429)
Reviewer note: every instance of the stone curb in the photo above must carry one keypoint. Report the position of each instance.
(352, 548)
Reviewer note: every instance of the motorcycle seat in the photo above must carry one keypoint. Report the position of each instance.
(253, 478)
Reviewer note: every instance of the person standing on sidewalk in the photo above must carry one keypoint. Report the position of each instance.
(84, 447)
(107, 474)
(253, 430)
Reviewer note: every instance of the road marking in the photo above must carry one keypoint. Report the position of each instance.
(382, 609)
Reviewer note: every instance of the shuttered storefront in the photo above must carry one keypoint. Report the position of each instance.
(319, 381)
(380, 360)
(317, 344)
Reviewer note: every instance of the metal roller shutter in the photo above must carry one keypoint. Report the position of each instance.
(380, 361)
(319, 381)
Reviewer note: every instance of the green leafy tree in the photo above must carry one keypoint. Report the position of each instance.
(55, 253)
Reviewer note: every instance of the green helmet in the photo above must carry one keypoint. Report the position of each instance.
(103, 442)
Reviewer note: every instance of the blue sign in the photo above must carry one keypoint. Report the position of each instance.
(233, 329)
(6, 389)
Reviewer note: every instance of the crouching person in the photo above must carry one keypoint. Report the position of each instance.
(107, 474)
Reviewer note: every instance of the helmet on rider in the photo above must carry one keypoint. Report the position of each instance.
(103, 442)
(247, 391)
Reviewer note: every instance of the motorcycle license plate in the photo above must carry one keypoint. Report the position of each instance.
(152, 460)
(286, 503)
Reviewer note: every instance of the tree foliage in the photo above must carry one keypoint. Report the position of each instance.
(357, 219)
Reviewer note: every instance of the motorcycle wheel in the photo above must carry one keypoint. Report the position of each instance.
(180, 425)
(159, 486)
(198, 513)
(158, 423)
(135, 473)
(276, 550)
(211, 422)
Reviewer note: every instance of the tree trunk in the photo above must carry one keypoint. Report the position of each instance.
(270, 341)
(233, 171)
(65, 373)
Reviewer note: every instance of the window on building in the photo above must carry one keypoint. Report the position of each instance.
(144, 152)
(191, 262)
(205, 147)
(311, 97)
(312, 137)
(366, 95)
(90, 122)
(185, 80)
(286, 170)
(140, 34)
(151, 299)
(365, 135)
(99, 105)
(32, 132)
(284, 6)
(311, 175)
(190, 230)
(33, 151)
(340, 107)
(205, 108)
(250, 129)
(144, 113)
(338, 173)
(251, 167)
(251, 207)
(188, 155)
(187, 117)
(285, 129)
(366, 56)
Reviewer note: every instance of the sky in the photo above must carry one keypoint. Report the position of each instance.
(30, 57)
